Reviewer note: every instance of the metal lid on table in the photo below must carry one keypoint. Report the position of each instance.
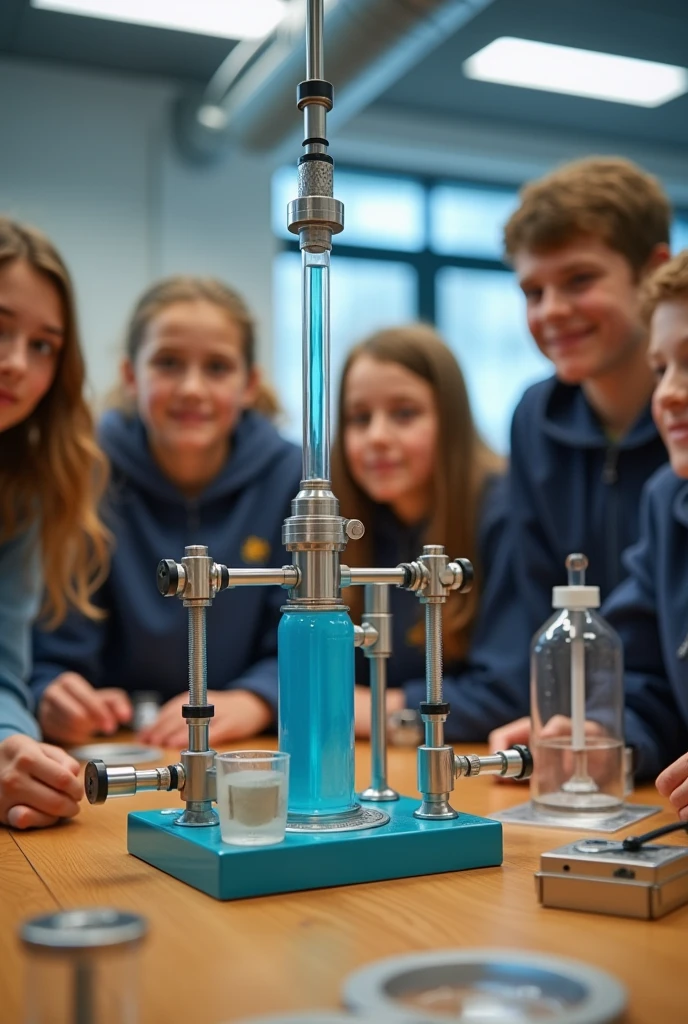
(490, 986)
(91, 928)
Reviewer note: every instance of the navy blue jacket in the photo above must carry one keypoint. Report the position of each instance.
(650, 612)
(142, 644)
(489, 687)
(573, 490)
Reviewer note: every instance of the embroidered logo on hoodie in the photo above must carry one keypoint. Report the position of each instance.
(254, 550)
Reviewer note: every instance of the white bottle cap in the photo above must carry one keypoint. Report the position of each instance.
(576, 597)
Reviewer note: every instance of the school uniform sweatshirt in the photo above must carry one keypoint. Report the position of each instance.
(20, 587)
(572, 489)
(650, 612)
(142, 644)
(489, 687)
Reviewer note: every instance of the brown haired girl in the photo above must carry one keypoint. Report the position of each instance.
(408, 462)
(51, 474)
(193, 462)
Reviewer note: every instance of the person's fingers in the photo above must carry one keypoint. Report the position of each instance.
(679, 796)
(64, 716)
(174, 734)
(21, 816)
(673, 776)
(505, 737)
(92, 700)
(62, 757)
(118, 703)
(21, 789)
(46, 768)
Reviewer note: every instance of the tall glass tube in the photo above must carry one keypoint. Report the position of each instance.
(316, 365)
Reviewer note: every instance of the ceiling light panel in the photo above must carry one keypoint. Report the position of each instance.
(601, 76)
(228, 19)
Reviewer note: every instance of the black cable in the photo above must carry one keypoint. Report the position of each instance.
(634, 843)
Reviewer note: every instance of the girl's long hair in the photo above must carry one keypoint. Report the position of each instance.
(51, 468)
(183, 288)
(462, 466)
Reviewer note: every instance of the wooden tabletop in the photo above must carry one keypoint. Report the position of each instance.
(206, 962)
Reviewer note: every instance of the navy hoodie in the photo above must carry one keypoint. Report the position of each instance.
(650, 612)
(142, 643)
(490, 686)
(572, 489)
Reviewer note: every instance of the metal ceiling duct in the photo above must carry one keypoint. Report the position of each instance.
(369, 45)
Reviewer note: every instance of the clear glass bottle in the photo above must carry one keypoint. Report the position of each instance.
(82, 967)
(576, 705)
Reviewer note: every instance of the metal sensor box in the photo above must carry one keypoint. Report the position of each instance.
(599, 876)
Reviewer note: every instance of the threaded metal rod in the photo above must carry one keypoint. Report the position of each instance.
(433, 653)
(198, 680)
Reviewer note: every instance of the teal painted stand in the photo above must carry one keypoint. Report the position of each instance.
(404, 847)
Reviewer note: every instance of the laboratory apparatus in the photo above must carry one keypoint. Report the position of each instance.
(577, 703)
(82, 967)
(486, 985)
(334, 837)
(634, 877)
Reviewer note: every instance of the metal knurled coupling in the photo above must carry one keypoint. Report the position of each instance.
(196, 579)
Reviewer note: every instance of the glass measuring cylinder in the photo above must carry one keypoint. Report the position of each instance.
(577, 705)
(82, 967)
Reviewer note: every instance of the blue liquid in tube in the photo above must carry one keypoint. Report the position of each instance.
(316, 709)
(317, 368)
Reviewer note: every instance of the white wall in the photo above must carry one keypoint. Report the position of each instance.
(88, 158)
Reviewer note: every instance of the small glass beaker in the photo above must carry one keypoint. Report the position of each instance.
(252, 788)
(82, 967)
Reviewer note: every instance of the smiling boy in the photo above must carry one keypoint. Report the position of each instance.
(583, 442)
(650, 609)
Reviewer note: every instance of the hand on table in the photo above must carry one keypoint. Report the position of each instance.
(39, 783)
(517, 731)
(72, 711)
(238, 714)
(673, 783)
(396, 700)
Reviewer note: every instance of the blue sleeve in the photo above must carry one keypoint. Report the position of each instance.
(75, 646)
(19, 599)
(535, 568)
(653, 723)
(261, 677)
(493, 686)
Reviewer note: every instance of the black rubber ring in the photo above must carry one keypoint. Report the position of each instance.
(314, 88)
(174, 776)
(198, 710)
(434, 709)
(325, 157)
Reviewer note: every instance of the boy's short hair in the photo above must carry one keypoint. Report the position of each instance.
(669, 283)
(605, 196)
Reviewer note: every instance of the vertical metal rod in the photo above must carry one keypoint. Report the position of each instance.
(434, 731)
(377, 614)
(315, 65)
(199, 740)
(198, 682)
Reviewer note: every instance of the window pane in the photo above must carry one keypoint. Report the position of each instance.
(379, 212)
(679, 234)
(467, 220)
(365, 295)
(481, 314)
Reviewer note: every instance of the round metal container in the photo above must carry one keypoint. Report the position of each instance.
(486, 986)
(113, 754)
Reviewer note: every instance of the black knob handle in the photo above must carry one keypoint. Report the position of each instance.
(167, 577)
(468, 574)
(527, 759)
(96, 782)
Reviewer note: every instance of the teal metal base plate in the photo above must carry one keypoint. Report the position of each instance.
(404, 847)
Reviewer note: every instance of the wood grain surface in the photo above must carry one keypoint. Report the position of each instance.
(206, 962)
